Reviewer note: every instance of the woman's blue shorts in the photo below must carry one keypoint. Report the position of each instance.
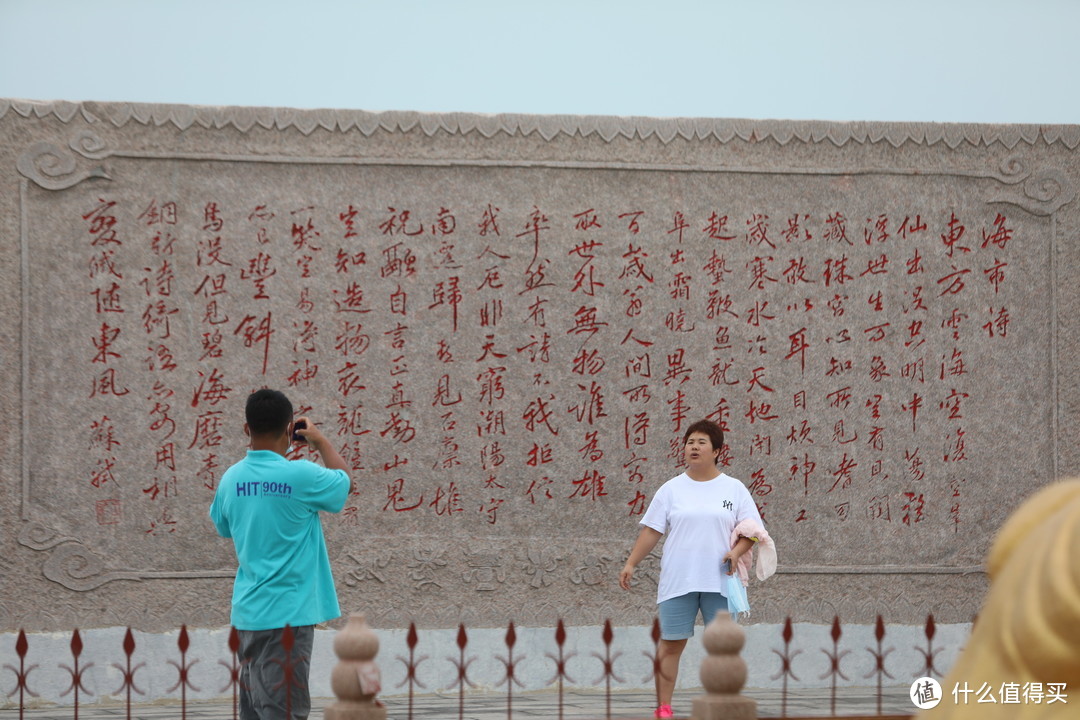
(678, 614)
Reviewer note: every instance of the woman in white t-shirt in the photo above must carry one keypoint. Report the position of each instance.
(697, 511)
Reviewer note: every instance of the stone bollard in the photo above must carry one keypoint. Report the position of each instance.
(723, 673)
(355, 678)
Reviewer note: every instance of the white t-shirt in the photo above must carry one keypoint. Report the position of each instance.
(697, 519)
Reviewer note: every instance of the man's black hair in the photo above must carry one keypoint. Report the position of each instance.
(268, 412)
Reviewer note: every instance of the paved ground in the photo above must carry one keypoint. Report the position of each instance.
(577, 705)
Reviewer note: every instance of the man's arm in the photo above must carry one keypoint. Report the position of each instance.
(331, 458)
(221, 523)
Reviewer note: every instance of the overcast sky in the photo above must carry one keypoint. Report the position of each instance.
(993, 61)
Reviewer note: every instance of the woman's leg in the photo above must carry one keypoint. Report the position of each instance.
(668, 654)
(677, 616)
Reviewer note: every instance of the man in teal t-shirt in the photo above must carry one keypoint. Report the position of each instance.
(270, 507)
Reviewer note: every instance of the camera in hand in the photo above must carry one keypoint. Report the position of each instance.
(299, 425)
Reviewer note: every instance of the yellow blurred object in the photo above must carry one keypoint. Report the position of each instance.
(1024, 650)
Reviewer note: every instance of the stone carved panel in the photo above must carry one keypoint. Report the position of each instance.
(506, 326)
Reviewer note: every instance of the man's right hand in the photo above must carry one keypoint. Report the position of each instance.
(318, 442)
(311, 434)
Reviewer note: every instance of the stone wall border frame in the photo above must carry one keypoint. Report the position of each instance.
(546, 126)
(73, 565)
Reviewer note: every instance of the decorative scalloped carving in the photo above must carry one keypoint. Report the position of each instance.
(55, 168)
(608, 128)
(37, 536)
(88, 144)
(1043, 193)
(76, 567)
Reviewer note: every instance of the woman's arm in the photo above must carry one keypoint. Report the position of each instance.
(644, 545)
(741, 548)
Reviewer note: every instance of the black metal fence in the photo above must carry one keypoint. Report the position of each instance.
(843, 665)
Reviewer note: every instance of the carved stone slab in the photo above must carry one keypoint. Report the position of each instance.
(506, 323)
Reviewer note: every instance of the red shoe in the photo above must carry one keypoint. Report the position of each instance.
(664, 711)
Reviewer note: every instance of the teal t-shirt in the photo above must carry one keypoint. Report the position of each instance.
(270, 506)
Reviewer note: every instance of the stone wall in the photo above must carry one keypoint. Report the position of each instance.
(506, 323)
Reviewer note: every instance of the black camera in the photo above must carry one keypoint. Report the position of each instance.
(299, 425)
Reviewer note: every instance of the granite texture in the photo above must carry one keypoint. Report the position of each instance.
(506, 323)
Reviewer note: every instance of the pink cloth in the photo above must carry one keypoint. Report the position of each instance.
(764, 549)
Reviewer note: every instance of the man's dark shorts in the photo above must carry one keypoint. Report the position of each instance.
(273, 683)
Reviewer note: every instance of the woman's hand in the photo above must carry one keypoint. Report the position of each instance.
(644, 545)
(732, 556)
(625, 576)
